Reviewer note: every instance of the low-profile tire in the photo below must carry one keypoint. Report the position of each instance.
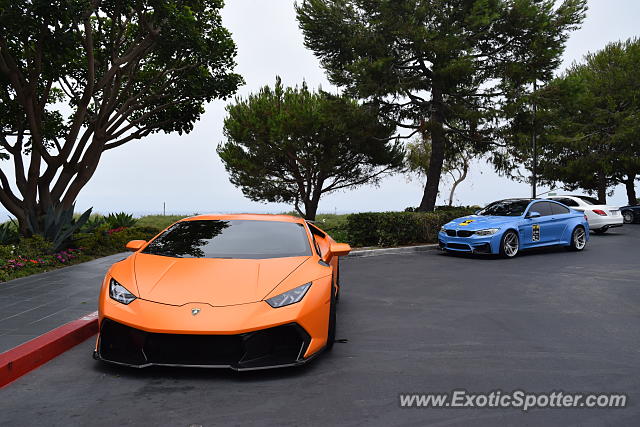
(338, 283)
(600, 231)
(509, 244)
(578, 239)
(331, 335)
(628, 217)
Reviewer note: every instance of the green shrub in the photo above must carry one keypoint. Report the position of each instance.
(34, 247)
(398, 228)
(8, 233)
(58, 225)
(120, 219)
(6, 252)
(362, 229)
(104, 241)
(93, 223)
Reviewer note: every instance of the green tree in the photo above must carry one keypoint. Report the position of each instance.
(439, 66)
(456, 164)
(589, 123)
(80, 77)
(293, 145)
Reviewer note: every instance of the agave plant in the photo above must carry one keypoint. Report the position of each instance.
(57, 225)
(120, 219)
(8, 233)
(93, 223)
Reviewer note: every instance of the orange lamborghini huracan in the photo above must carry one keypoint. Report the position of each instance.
(236, 291)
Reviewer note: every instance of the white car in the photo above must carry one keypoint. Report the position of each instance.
(600, 217)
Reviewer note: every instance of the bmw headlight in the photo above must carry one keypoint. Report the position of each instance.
(487, 232)
(442, 229)
(120, 293)
(290, 297)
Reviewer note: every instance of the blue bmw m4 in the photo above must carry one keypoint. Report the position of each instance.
(508, 226)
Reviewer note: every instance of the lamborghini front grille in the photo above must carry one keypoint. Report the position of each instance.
(277, 346)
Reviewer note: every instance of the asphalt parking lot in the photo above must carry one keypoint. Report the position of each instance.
(426, 322)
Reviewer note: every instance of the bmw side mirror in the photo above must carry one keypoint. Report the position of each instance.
(533, 214)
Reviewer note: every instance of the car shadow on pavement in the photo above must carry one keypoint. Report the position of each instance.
(548, 250)
(609, 233)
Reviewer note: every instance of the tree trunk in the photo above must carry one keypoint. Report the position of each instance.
(463, 176)
(23, 225)
(630, 185)
(602, 188)
(438, 142)
(310, 209)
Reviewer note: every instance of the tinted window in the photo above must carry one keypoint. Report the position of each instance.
(565, 201)
(559, 209)
(589, 200)
(232, 239)
(505, 208)
(316, 232)
(543, 208)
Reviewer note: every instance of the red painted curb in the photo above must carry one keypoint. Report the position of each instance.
(28, 356)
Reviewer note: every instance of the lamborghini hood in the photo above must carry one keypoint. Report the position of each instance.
(218, 282)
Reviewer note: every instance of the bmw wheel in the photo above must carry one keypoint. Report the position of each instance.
(510, 244)
(578, 239)
(628, 217)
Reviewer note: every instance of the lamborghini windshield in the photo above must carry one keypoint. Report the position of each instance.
(245, 239)
(506, 208)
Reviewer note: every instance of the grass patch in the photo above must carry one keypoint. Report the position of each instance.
(158, 221)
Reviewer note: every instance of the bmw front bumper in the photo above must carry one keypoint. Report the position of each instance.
(472, 244)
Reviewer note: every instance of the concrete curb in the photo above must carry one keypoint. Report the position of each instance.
(28, 356)
(392, 251)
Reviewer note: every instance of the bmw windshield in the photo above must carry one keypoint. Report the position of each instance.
(242, 239)
(506, 208)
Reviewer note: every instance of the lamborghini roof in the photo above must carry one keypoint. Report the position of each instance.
(250, 217)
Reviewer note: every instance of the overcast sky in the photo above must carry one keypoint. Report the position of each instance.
(186, 173)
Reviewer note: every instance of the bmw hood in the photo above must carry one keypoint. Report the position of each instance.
(479, 222)
(214, 281)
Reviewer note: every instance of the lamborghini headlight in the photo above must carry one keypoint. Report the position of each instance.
(120, 293)
(290, 297)
(487, 232)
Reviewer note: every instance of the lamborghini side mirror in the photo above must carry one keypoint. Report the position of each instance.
(336, 249)
(340, 249)
(136, 245)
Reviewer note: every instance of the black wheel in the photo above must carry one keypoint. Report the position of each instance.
(338, 283)
(510, 244)
(578, 239)
(628, 217)
(331, 336)
(600, 231)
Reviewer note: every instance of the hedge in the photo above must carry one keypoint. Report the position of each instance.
(398, 228)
